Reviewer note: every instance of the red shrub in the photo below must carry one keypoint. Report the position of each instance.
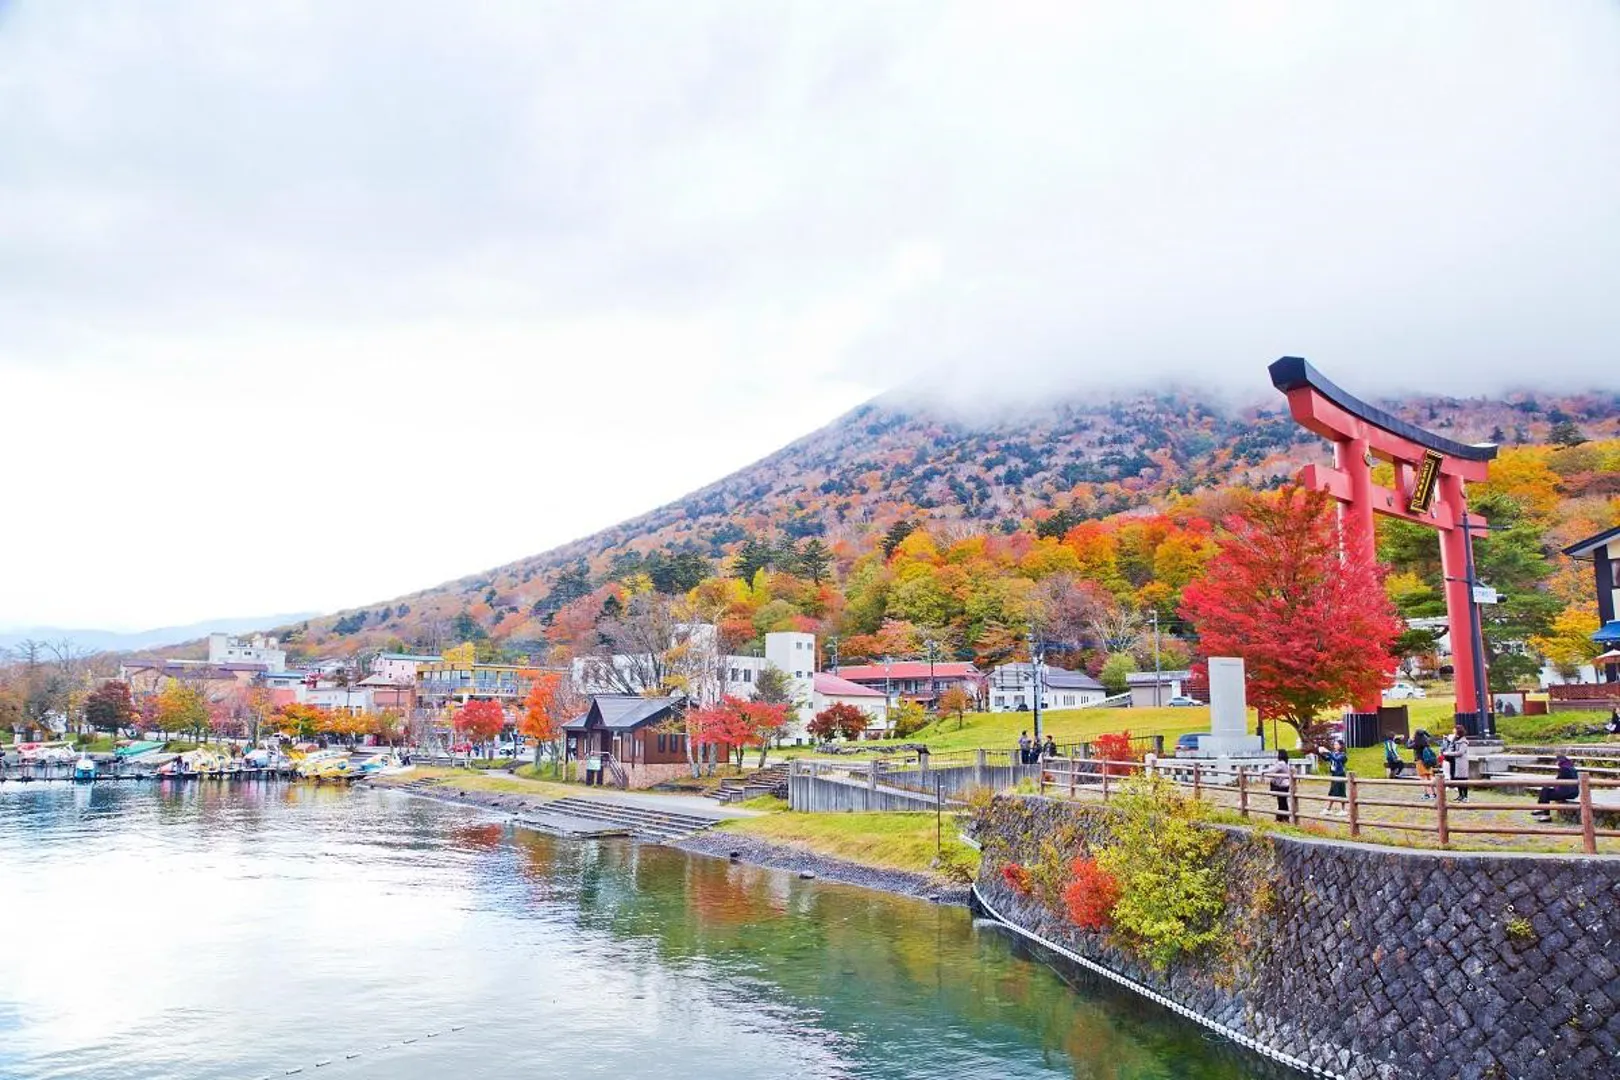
(1115, 746)
(1091, 895)
(1017, 877)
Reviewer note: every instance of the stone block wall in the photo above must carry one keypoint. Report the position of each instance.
(1369, 962)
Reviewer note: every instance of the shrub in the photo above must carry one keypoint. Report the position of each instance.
(1115, 746)
(1016, 877)
(909, 719)
(1091, 895)
(1171, 892)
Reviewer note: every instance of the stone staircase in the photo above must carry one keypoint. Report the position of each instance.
(771, 781)
(641, 821)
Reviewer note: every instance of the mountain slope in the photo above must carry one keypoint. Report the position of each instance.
(134, 640)
(883, 462)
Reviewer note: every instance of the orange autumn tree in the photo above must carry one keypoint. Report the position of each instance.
(552, 702)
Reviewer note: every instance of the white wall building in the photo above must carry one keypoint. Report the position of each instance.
(830, 690)
(224, 649)
(399, 668)
(1012, 688)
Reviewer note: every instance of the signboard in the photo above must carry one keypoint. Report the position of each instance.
(1428, 478)
(593, 763)
(1484, 594)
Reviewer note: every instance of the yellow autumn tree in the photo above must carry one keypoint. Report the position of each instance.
(1568, 642)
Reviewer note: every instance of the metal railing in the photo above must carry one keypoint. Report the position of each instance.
(1308, 798)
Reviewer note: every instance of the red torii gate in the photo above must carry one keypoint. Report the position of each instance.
(1430, 472)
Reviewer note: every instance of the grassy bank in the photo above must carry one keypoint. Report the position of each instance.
(475, 780)
(887, 841)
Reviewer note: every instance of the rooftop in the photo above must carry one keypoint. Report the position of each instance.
(833, 686)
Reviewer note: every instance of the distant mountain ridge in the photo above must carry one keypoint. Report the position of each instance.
(132, 641)
(885, 461)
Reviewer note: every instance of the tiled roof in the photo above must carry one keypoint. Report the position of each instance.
(622, 712)
(833, 686)
(909, 669)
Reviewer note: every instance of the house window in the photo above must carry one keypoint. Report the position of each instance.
(660, 744)
(748, 675)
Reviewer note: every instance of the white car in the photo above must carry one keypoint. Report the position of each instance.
(1182, 701)
(1404, 690)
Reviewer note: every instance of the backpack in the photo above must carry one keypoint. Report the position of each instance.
(1428, 756)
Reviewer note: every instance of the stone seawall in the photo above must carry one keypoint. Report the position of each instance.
(1367, 962)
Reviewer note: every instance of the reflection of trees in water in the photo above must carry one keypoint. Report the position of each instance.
(883, 969)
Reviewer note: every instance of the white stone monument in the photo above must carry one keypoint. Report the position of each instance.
(1228, 713)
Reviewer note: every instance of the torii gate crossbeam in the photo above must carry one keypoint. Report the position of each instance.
(1430, 472)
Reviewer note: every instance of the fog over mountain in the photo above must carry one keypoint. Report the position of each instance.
(602, 253)
(130, 640)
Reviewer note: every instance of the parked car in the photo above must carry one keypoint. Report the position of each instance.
(506, 749)
(1182, 701)
(1402, 690)
(1188, 743)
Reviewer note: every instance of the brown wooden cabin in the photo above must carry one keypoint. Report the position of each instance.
(635, 730)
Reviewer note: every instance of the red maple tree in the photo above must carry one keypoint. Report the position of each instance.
(1314, 627)
(736, 723)
(480, 721)
(839, 718)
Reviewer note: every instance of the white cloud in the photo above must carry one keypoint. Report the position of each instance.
(306, 305)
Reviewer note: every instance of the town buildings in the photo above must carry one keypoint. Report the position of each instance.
(261, 650)
(917, 680)
(1011, 688)
(829, 690)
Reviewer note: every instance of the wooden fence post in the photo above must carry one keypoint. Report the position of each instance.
(1105, 781)
(1442, 825)
(1588, 824)
(1355, 810)
(1243, 792)
(1198, 784)
(1293, 798)
(1074, 767)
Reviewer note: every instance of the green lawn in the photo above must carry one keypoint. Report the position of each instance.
(892, 841)
(996, 730)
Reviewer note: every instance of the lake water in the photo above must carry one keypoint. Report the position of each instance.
(243, 931)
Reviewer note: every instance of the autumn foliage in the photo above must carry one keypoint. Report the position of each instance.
(737, 723)
(480, 721)
(1017, 878)
(838, 719)
(1091, 895)
(1115, 746)
(1315, 629)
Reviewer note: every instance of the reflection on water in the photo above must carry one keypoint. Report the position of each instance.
(206, 930)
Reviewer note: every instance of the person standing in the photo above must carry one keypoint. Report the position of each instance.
(1337, 762)
(1023, 748)
(1392, 756)
(1049, 751)
(1423, 761)
(1279, 778)
(1454, 750)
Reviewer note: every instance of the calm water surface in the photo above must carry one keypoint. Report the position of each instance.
(244, 931)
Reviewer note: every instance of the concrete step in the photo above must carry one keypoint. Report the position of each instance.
(644, 821)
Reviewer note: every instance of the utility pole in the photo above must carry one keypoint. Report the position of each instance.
(888, 688)
(832, 649)
(932, 647)
(1035, 679)
(1156, 679)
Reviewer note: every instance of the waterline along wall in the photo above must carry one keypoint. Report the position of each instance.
(1363, 962)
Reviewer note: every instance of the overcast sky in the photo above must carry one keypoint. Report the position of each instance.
(307, 305)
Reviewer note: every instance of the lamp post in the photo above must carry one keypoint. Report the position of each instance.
(1035, 678)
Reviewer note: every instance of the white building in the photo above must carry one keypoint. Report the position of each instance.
(224, 649)
(830, 690)
(399, 668)
(1012, 688)
(794, 654)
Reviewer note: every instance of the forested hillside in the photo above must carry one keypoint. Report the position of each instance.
(893, 527)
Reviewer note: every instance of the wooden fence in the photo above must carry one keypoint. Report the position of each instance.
(1366, 805)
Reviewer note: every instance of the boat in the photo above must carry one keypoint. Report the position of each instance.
(324, 765)
(377, 765)
(84, 768)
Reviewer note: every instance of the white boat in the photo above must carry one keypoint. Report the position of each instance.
(84, 768)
